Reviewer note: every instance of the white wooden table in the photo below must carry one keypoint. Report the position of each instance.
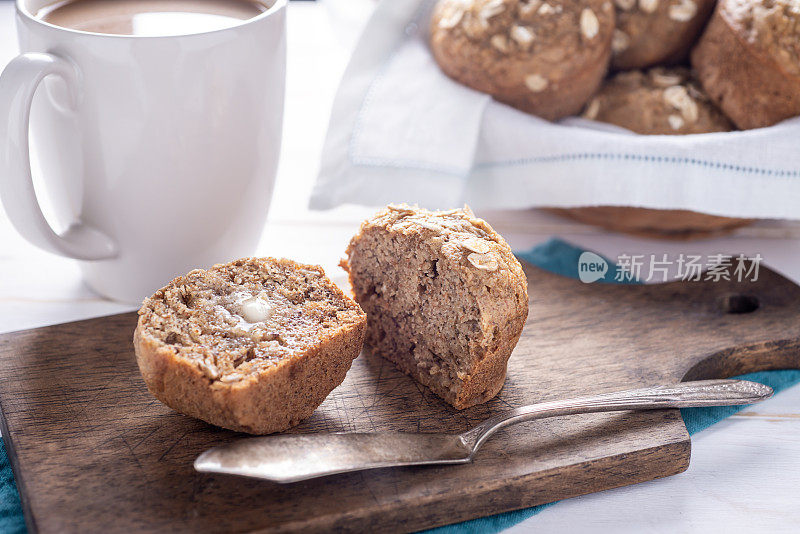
(744, 472)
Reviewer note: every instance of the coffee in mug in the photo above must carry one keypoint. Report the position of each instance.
(158, 152)
(150, 17)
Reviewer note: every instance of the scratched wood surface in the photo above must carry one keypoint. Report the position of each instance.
(93, 451)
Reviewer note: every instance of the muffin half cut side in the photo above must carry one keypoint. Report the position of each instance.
(254, 345)
(446, 299)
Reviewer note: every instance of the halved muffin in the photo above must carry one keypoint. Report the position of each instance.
(254, 345)
(446, 299)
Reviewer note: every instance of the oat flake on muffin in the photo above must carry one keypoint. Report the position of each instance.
(545, 57)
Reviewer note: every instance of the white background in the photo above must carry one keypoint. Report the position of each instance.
(745, 470)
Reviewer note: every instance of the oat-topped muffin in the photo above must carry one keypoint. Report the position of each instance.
(659, 101)
(445, 298)
(656, 102)
(748, 60)
(254, 345)
(651, 32)
(545, 57)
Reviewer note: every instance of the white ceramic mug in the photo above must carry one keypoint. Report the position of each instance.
(159, 153)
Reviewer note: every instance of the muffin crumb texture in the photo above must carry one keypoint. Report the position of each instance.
(254, 345)
(445, 297)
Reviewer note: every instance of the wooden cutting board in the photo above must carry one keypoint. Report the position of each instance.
(92, 451)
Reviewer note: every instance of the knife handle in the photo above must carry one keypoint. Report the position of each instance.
(684, 395)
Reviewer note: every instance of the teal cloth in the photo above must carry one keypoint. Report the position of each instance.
(561, 257)
(556, 256)
(11, 519)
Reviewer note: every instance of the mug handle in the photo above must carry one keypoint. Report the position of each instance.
(18, 84)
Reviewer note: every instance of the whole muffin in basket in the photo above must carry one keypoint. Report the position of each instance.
(748, 60)
(657, 102)
(651, 32)
(545, 57)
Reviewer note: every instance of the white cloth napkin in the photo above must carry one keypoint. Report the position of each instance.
(401, 131)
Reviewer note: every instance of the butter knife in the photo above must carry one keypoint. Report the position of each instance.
(294, 457)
